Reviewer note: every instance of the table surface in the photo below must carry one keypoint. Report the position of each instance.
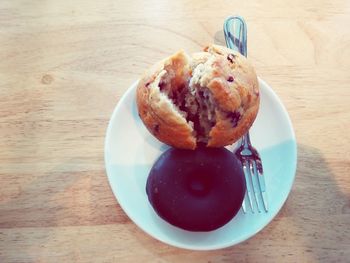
(65, 64)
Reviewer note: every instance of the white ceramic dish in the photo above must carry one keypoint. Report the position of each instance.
(130, 151)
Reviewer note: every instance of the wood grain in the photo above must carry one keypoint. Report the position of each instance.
(65, 64)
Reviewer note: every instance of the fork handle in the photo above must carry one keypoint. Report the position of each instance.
(235, 30)
(246, 140)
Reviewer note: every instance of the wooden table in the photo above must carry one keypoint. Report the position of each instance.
(65, 64)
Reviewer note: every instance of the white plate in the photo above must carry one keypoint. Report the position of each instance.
(130, 151)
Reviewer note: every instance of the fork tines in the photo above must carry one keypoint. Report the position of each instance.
(255, 185)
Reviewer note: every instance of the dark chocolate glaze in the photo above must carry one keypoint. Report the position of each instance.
(198, 190)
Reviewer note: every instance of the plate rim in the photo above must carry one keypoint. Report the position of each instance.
(194, 247)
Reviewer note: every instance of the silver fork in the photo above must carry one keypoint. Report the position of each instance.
(235, 31)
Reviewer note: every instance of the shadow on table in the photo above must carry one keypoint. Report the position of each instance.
(219, 38)
(313, 225)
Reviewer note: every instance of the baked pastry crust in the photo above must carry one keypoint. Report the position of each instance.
(230, 88)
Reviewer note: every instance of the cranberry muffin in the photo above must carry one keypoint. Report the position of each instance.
(209, 98)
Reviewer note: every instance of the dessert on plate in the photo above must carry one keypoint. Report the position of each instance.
(209, 98)
(198, 190)
(198, 104)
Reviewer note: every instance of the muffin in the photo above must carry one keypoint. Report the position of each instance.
(210, 98)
